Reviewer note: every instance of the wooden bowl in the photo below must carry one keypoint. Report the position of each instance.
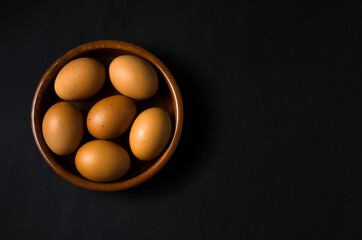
(168, 97)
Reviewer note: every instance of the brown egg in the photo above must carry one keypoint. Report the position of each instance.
(133, 76)
(63, 128)
(150, 133)
(102, 161)
(80, 79)
(111, 117)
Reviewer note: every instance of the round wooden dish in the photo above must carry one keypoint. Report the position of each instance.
(168, 97)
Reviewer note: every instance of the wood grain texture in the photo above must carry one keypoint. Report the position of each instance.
(168, 97)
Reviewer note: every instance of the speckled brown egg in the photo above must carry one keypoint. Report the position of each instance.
(111, 117)
(102, 161)
(133, 76)
(63, 128)
(150, 133)
(80, 79)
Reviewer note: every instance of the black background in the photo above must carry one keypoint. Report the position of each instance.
(272, 140)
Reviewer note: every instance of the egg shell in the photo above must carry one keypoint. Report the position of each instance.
(110, 117)
(80, 79)
(133, 76)
(102, 161)
(150, 133)
(63, 128)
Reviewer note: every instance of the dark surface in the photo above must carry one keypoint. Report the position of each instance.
(272, 141)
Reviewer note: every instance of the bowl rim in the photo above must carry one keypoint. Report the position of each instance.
(177, 104)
